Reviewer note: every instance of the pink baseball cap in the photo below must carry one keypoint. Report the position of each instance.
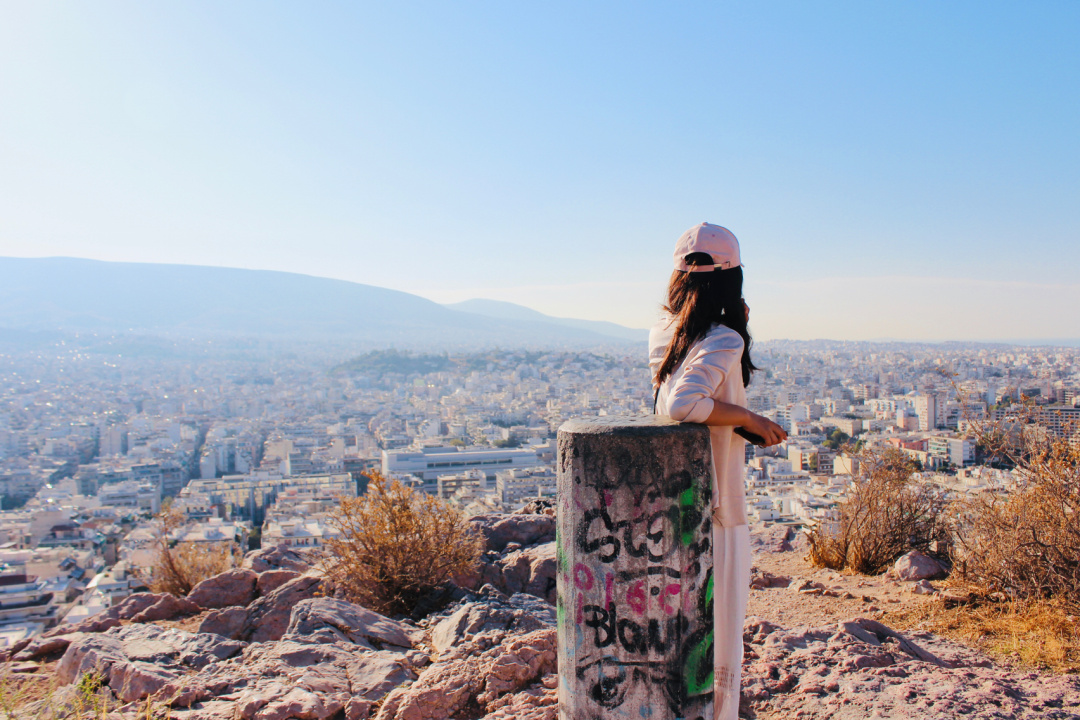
(716, 241)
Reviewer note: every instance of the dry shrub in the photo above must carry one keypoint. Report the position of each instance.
(1027, 544)
(887, 512)
(396, 545)
(181, 566)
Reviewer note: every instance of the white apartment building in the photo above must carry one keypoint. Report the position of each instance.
(298, 532)
(450, 483)
(138, 495)
(517, 486)
(24, 599)
(429, 463)
(956, 451)
(250, 495)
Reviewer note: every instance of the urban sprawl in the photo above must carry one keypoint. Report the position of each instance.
(92, 446)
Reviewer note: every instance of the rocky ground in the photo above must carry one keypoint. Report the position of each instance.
(264, 642)
(818, 645)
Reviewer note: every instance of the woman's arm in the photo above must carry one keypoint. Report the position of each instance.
(729, 414)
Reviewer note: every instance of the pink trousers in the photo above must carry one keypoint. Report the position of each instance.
(731, 590)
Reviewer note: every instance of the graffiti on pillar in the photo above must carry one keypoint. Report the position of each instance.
(635, 599)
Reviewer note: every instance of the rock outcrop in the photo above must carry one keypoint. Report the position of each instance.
(501, 529)
(140, 659)
(520, 555)
(230, 588)
(275, 557)
(290, 652)
(326, 620)
(476, 679)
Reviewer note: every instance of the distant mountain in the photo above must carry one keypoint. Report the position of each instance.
(48, 295)
(510, 311)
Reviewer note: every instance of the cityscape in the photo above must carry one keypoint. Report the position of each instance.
(257, 449)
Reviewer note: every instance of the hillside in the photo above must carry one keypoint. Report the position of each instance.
(265, 641)
(46, 295)
(511, 311)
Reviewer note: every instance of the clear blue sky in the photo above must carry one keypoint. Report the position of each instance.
(906, 170)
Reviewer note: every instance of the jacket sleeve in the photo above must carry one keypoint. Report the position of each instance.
(708, 365)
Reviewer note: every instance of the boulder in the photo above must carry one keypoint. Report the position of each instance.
(227, 622)
(916, 565)
(289, 679)
(134, 604)
(531, 571)
(275, 557)
(138, 660)
(450, 686)
(232, 587)
(268, 617)
(329, 620)
(98, 623)
(493, 614)
(500, 529)
(126, 609)
(40, 648)
(169, 607)
(271, 580)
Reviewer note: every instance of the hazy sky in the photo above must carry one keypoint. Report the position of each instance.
(906, 170)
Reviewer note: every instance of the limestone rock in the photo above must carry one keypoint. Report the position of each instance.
(271, 580)
(330, 620)
(276, 557)
(134, 604)
(232, 587)
(130, 608)
(289, 679)
(494, 615)
(531, 570)
(539, 702)
(917, 566)
(268, 617)
(138, 660)
(42, 647)
(169, 607)
(449, 686)
(227, 622)
(500, 529)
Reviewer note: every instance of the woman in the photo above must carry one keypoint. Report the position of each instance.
(699, 354)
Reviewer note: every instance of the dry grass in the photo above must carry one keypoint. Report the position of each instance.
(39, 696)
(1041, 635)
(886, 513)
(396, 545)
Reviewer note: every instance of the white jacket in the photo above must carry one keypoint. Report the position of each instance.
(711, 371)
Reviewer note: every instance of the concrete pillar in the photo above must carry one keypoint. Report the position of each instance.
(634, 554)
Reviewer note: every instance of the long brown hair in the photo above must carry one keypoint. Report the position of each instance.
(696, 302)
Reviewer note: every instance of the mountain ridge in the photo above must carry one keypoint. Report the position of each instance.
(81, 295)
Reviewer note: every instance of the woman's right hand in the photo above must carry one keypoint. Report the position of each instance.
(769, 431)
